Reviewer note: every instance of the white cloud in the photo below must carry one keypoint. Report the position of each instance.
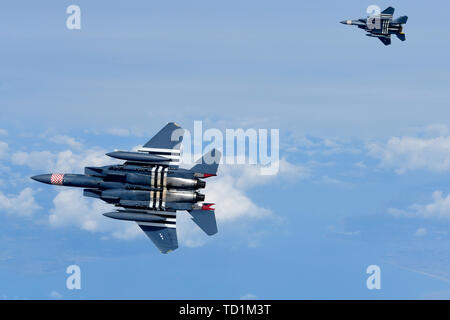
(324, 146)
(66, 140)
(23, 204)
(126, 230)
(421, 232)
(228, 191)
(3, 150)
(248, 176)
(436, 129)
(234, 204)
(64, 161)
(189, 234)
(72, 209)
(409, 153)
(297, 142)
(234, 180)
(438, 209)
(3, 132)
(35, 160)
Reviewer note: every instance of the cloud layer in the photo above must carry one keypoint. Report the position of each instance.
(64, 161)
(439, 208)
(72, 209)
(410, 153)
(22, 204)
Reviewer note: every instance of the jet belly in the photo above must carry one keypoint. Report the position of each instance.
(155, 199)
(160, 179)
(147, 178)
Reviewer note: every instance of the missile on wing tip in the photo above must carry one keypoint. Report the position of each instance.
(137, 156)
(133, 216)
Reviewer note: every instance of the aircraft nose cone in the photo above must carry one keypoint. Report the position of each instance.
(344, 22)
(44, 178)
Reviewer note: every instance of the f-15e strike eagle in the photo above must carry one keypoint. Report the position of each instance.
(149, 187)
(381, 26)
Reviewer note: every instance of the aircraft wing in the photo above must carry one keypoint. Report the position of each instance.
(387, 13)
(164, 238)
(386, 40)
(166, 143)
(169, 137)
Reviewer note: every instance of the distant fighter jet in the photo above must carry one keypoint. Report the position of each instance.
(381, 26)
(149, 187)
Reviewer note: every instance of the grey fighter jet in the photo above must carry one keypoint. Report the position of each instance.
(381, 26)
(149, 187)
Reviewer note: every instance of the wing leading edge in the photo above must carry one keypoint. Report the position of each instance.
(166, 144)
(388, 13)
(169, 137)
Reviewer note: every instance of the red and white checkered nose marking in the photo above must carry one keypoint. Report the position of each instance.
(57, 178)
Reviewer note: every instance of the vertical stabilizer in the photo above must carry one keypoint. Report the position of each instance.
(208, 164)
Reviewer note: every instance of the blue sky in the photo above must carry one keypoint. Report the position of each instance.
(364, 138)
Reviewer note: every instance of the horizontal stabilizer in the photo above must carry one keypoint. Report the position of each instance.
(401, 36)
(205, 219)
(401, 20)
(208, 164)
